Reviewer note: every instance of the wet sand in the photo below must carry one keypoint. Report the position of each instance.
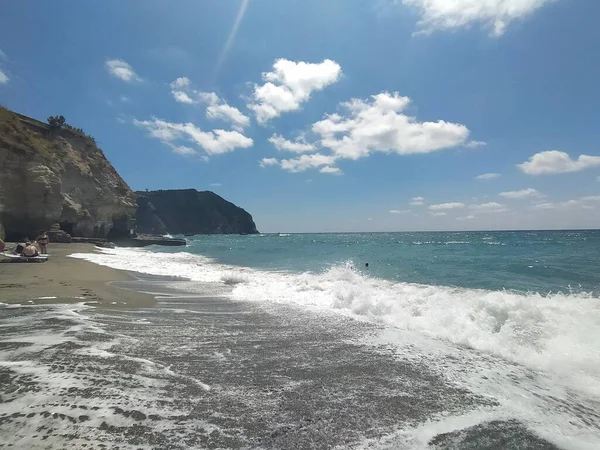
(65, 280)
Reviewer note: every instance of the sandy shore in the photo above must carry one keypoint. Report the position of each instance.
(67, 280)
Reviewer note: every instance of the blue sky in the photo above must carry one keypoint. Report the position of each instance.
(336, 115)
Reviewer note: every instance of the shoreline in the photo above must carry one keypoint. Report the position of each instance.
(67, 280)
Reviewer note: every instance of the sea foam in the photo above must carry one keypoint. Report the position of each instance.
(554, 333)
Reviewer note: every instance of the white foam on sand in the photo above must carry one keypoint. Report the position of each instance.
(55, 385)
(536, 354)
(555, 333)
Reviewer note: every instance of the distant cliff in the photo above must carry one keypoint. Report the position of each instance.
(58, 176)
(190, 212)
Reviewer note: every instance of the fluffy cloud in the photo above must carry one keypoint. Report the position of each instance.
(289, 85)
(379, 125)
(266, 162)
(331, 170)
(417, 201)
(487, 176)
(399, 211)
(298, 146)
(217, 108)
(489, 208)
(554, 161)
(122, 70)
(525, 193)
(213, 142)
(444, 206)
(452, 14)
(3, 78)
(471, 217)
(438, 214)
(306, 162)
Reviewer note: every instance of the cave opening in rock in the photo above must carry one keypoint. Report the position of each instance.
(67, 227)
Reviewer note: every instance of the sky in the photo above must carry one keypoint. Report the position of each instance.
(330, 115)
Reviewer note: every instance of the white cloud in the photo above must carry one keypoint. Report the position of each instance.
(182, 97)
(228, 113)
(125, 99)
(444, 206)
(213, 142)
(266, 162)
(306, 162)
(417, 201)
(438, 214)
(379, 125)
(399, 211)
(554, 161)
(215, 185)
(217, 108)
(475, 144)
(487, 176)
(525, 193)
(289, 85)
(3, 78)
(298, 146)
(583, 203)
(489, 208)
(331, 170)
(121, 120)
(180, 83)
(493, 14)
(122, 70)
(471, 217)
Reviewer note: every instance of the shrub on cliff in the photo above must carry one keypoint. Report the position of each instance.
(56, 122)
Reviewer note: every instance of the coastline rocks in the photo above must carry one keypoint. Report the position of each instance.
(190, 212)
(58, 176)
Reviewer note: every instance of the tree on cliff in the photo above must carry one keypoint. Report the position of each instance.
(56, 122)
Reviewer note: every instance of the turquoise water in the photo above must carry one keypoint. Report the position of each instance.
(527, 261)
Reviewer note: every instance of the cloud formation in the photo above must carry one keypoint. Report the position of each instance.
(489, 208)
(495, 15)
(417, 201)
(217, 108)
(399, 211)
(297, 146)
(289, 85)
(487, 176)
(470, 217)
(554, 161)
(122, 70)
(214, 142)
(379, 125)
(524, 193)
(3, 78)
(446, 206)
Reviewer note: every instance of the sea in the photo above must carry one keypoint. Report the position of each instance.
(428, 340)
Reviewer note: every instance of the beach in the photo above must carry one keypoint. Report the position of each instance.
(63, 279)
(201, 364)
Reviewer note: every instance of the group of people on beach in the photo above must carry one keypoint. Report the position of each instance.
(29, 248)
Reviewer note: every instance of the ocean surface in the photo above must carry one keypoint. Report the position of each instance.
(465, 340)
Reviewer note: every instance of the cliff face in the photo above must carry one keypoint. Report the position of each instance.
(58, 176)
(190, 212)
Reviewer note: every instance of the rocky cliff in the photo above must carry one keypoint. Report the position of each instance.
(190, 212)
(58, 176)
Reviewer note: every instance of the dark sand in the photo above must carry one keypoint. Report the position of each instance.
(67, 279)
(209, 372)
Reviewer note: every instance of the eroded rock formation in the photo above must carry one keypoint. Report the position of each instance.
(58, 176)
